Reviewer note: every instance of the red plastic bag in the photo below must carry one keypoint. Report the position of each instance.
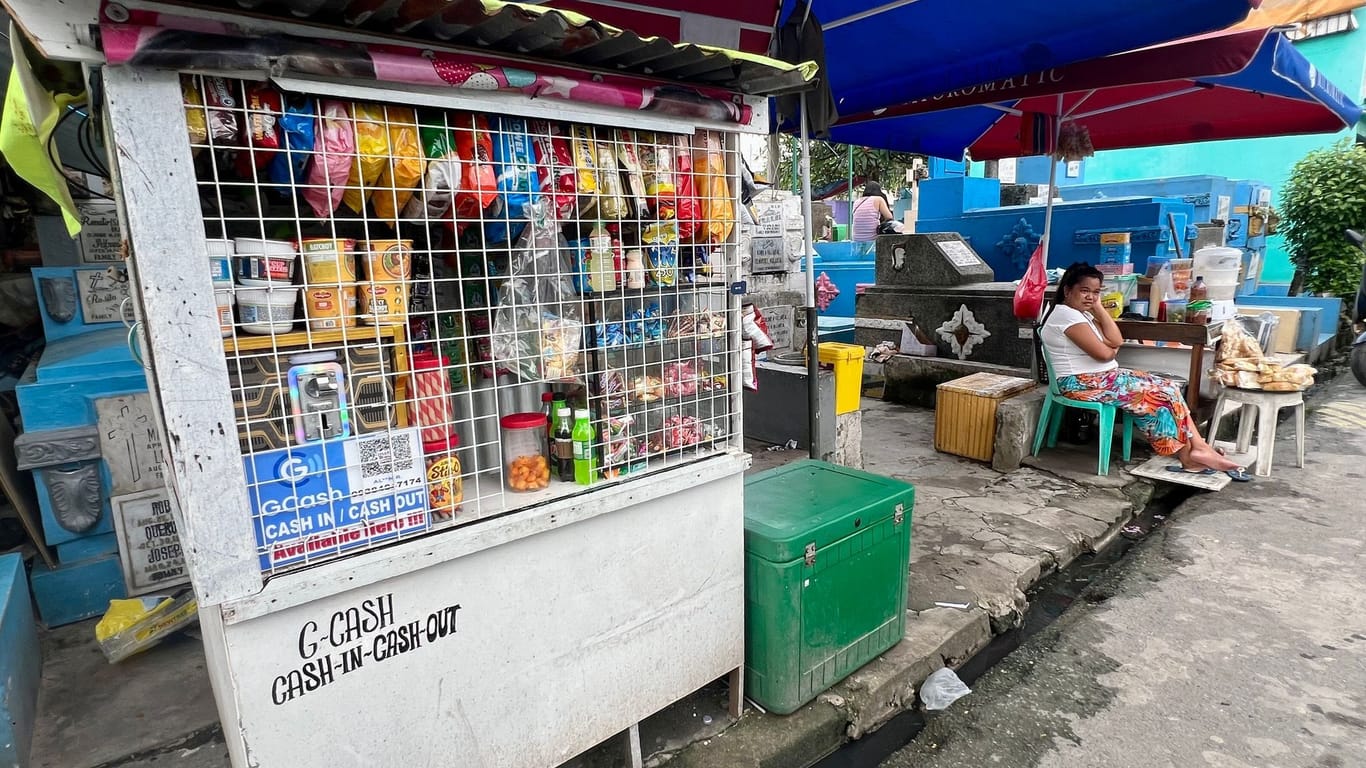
(1032, 288)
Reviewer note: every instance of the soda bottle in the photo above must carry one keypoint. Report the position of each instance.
(584, 464)
(563, 453)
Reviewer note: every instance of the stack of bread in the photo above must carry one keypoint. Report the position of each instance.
(1242, 365)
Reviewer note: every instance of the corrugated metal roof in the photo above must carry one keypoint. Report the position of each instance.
(534, 31)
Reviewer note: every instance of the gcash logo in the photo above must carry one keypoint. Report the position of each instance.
(295, 468)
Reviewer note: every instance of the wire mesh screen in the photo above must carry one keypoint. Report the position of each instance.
(431, 317)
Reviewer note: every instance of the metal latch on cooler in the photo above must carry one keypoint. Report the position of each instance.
(811, 553)
(899, 515)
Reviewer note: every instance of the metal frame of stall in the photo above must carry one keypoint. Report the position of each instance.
(559, 626)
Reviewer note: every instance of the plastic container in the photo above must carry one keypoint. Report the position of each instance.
(225, 299)
(220, 254)
(267, 311)
(329, 309)
(259, 270)
(328, 262)
(528, 468)
(432, 390)
(445, 487)
(1176, 311)
(847, 360)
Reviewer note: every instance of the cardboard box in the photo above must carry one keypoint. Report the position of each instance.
(1110, 270)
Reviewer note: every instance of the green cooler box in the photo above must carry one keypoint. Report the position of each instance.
(827, 551)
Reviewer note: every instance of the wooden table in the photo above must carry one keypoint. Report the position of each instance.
(1197, 337)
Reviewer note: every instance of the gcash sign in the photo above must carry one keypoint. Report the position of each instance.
(320, 499)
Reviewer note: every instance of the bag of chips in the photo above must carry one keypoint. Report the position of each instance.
(611, 196)
(717, 208)
(297, 136)
(515, 159)
(628, 156)
(403, 172)
(555, 167)
(196, 118)
(264, 108)
(372, 154)
(661, 250)
(335, 142)
(480, 186)
(221, 99)
(657, 164)
(437, 195)
(688, 213)
(585, 151)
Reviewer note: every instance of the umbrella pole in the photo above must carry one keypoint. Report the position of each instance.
(813, 363)
(1047, 232)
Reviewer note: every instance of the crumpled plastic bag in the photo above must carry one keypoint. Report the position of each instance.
(480, 186)
(941, 689)
(372, 154)
(537, 332)
(717, 207)
(297, 128)
(132, 626)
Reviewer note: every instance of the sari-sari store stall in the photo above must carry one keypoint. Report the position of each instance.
(446, 349)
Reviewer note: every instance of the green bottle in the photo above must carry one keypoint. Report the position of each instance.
(585, 467)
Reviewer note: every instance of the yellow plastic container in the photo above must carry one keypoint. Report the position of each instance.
(847, 360)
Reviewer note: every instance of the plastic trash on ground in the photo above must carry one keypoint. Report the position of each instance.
(132, 626)
(941, 689)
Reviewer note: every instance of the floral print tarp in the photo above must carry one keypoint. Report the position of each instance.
(1159, 410)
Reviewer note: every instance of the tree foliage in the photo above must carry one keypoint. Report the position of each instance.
(1325, 196)
(830, 164)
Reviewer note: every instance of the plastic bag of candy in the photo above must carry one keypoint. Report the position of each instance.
(628, 156)
(654, 326)
(680, 379)
(612, 387)
(560, 341)
(635, 326)
(647, 389)
(609, 335)
(682, 431)
(402, 170)
(372, 154)
(336, 145)
(611, 195)
(657, 165)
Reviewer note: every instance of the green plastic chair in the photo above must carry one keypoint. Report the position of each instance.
(1050, 421)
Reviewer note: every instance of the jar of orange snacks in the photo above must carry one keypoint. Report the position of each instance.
(524, 452)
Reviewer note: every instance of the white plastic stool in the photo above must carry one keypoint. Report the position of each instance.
(1267, 406)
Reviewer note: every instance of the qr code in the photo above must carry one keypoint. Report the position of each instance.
(384, 455)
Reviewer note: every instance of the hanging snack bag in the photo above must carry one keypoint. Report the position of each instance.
(403, 171)
(661, 251)
(585, 151)
(264, 108)
(297, 136)
(716, 208)
(688, 215)
(480, 186)
(372, 154)
(555, 167)
(336, 149)
(628, 155)
(611, 195)
(515, 159)
(437, 195)
(657, 164)
(224, 127)
(196, 118)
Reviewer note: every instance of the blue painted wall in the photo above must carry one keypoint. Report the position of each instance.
(1340, 57)
(20, 664)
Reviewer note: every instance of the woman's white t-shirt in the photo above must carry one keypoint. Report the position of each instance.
(1069, 359)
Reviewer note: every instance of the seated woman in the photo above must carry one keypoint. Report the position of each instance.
(1082, 339)
(870, 212)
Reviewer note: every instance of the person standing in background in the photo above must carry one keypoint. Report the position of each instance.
(869, 212)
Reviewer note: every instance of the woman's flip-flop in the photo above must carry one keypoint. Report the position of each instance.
(1239, 475)
(1182, 470)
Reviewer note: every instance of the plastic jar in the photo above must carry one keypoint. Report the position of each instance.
(445, 488)
(267, 311)
(225, 300)
(432, 393)
(528, 468)
(220, 253)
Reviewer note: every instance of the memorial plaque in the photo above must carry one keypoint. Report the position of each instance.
(149, 543)
(779, 321)
(931, 259)
(102, 293)
(130, 443)
(770, 220)
(769, 255)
